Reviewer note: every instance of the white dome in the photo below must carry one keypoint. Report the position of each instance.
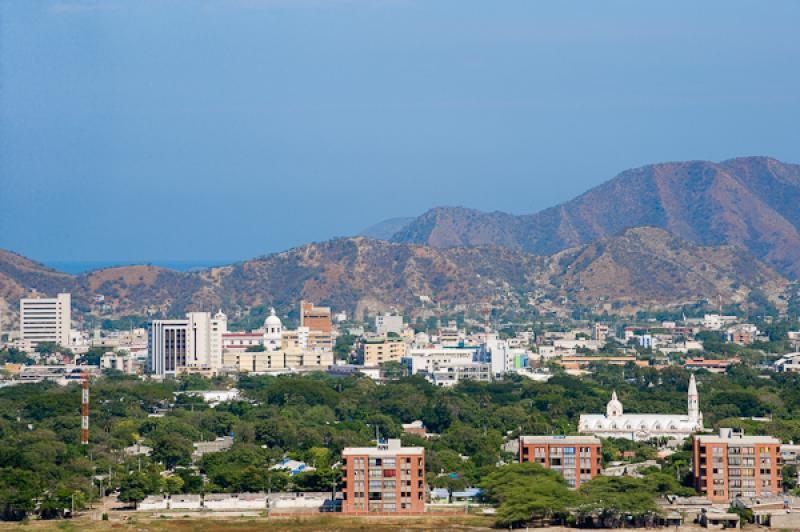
(272, 320)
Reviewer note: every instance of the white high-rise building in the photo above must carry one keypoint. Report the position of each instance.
(195, 342)
(45, 319)
(500, 355)
(386, 323)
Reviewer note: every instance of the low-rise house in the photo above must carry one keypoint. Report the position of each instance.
(620, 469)
(223, 443)
(467, 496)
(742, 334)
(214, 397)
(710, 365)
(440, 496)
(788, 363)
(690, 507)
(294, 467)
(415, 427)
(719, 519)
(138, 449)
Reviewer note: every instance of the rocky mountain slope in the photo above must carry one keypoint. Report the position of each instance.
(751, 203)
(642, 267)
(646, 265)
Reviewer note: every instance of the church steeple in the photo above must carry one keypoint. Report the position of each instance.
(694, 401)
(614, 406)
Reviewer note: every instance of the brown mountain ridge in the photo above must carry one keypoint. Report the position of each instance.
(641, 267)
(750, 203)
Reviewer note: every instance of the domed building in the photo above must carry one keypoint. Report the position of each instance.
(273, 332)
(639, 427)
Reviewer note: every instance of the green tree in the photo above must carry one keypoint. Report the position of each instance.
(137, 485)
(612, 500)
(527, 492)
(172, 450)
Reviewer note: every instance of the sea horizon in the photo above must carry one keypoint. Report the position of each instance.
(77, 267)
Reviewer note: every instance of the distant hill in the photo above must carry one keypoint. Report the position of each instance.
(646, 265)
(643, 267)
(750, 202)
(386, 229)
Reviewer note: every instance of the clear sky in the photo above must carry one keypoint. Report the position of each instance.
(224, 129)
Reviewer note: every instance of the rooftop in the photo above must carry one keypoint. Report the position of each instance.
(733, 436)
(560, 439)
(391, 448)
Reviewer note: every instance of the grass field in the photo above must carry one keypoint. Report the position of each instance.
(249, 524)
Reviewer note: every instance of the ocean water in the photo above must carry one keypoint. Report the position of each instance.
(76, 267)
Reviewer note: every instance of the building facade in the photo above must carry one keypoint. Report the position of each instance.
(640, 427)
(45, 319)
(577, 459)
(243, 361)
(315, 318)
(388, 478)
(194, 343)
(733, 465)
(382, 350)
(386, 323)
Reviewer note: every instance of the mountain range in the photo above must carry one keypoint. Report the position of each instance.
(657, 236)
(640, 268)
(750, 203)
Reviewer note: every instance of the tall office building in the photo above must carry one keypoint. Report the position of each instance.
(733, 465)
(577, 459)
(192, 343)
(166, 346)
(388, 478)
(45, 319)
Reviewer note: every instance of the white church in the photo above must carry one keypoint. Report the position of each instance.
(616, 424)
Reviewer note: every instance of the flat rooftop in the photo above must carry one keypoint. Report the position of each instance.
(556, 440)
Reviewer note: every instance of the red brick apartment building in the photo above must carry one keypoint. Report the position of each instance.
(731, 465)
(388, 478)
(577, 458)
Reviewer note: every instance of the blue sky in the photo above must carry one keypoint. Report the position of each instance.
(182, 130)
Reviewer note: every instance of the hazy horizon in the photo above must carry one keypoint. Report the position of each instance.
(173, 131)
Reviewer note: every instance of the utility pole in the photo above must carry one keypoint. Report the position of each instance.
(85, 408)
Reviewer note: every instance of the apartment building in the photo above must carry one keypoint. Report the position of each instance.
(577, 459)
(388, 478)
(307, 340)
(384, 349)
(45, 319)
(315, 318)
(732, 465)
